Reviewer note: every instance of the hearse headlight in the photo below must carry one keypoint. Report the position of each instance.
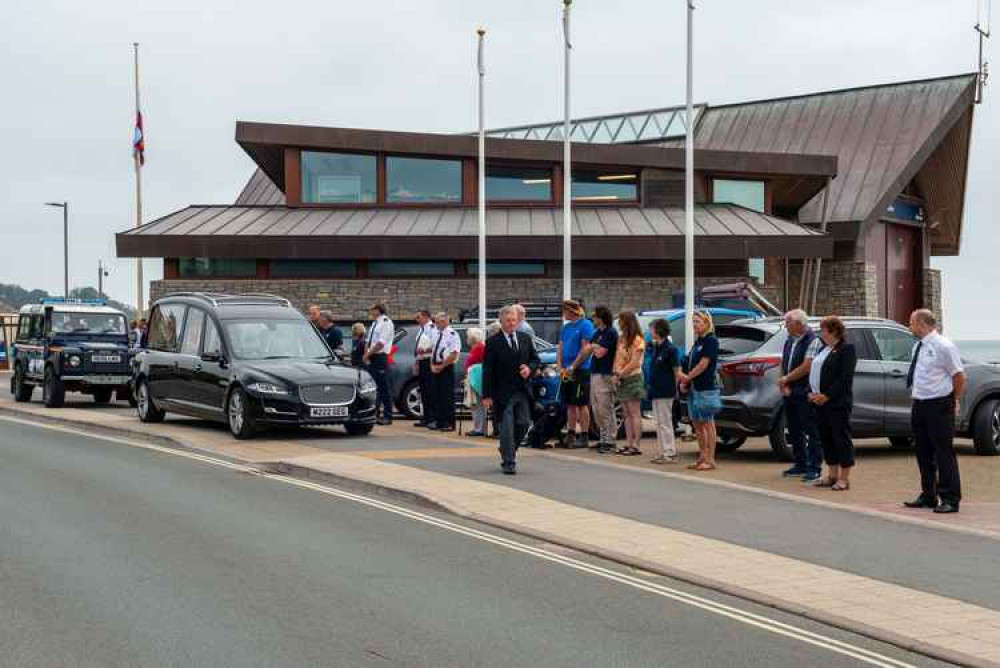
(262, 387)
(367, 385)
(74, 361)
(549, 372)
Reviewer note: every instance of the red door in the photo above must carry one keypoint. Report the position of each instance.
(902, 271)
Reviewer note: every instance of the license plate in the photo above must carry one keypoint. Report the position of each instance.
(106, 359)
(328, 411)
(108, 380)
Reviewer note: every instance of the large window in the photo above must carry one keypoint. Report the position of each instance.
(621, 185)
(509, 268)
(380, 268)
(423, 180)
(165, 327)
(518, 184)
(313, 268)
(749, 194)
(338, 178)
(199, 267)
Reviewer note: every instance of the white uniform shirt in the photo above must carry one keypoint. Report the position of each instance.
(381, 330)
(425, 339)
(937, 362)
(816, 370)
(444, 343)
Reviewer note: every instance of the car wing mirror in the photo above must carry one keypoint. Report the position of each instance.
(214, 357)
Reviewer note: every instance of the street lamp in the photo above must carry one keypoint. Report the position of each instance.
(102, 273)
(65, 207)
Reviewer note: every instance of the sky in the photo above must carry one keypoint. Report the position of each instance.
(68, 98)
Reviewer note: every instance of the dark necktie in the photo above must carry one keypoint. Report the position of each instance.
(437, 346)
(371, 334)
(512, 341)
(913, 364)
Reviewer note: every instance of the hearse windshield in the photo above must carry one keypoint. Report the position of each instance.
(275, 339)
(87, 323)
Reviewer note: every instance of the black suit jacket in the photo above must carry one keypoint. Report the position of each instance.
(836, 380)
(502, 364)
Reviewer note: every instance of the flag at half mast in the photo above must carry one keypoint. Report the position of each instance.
(138, 140)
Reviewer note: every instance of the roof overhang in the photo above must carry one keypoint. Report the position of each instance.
(607, 233)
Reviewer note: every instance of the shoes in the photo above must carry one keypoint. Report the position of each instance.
(446, 427)
(508, 469)
(946, 507)
(794, 471)
(422, 425)
(582, 441)
(605, 448)
(382, 421)
(811, 476)
(572, 441)
(475, 433)
(431, 425)
(920, 502)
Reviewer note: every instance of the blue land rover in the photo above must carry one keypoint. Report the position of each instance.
(67, 345)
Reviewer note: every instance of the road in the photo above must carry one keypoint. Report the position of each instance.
(112, 555)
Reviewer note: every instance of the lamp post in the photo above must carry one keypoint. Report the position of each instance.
(65, 207)
(102, 273)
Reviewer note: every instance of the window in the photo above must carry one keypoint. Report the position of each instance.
(191, 345)
(313, 268)
(410, 268)
(24, 328)
(338, 178)
(164, 327)
(749, 194)
(212, 343)
(620, 185)
(894, 345)
(275, 339)
(518, 184)
(509, 268)
(204, 267)
(423, 180)
(860, 340)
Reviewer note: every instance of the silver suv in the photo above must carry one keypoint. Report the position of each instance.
(750, 363)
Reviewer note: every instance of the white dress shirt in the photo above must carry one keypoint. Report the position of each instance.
(381, 331)
(937, 362)
(425, 340)
(816, 370)
(445, 342)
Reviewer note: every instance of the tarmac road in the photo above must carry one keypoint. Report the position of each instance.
(113, 555)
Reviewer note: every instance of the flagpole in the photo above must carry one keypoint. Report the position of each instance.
(567, 167)
(689, 187)
(482, 182)
(139, 299)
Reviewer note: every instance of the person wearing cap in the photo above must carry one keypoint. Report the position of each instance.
(425, 338)
(376, 357)
(573, 365)
(445, 349)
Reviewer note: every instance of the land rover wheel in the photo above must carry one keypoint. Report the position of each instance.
(986, 428)
(779, 439)
(241, 423)
(53, 391)
(102, 395)
(144, 406)
(22, 390)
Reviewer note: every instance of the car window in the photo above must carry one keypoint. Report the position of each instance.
(212, 343)
(894, 345)
(736, 340)
(164, 327)
(858, 336)
(191, 344)
(37, 325)
(24, 328)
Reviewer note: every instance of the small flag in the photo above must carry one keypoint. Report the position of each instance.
(138, 140)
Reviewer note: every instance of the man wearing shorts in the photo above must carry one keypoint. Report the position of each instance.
(573, 364)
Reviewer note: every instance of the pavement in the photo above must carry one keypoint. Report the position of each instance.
(121, 556)
(910, 581)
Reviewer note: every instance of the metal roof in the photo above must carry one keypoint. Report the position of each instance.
(260, 189)
(631, 127)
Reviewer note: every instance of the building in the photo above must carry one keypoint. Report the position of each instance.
(341, 217)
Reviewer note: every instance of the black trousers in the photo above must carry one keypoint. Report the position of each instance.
(515, 418)
(426, 379)
(444, 396)
(933, 423)
(834, 426)
(378, 367)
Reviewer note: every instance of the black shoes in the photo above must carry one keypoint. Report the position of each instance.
(606, 448)
(920, 502)
(508, 469)
(382, 421)
(445, 427)
(946, 507)
(422, 425)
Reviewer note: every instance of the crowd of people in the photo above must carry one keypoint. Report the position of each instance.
(602, 360)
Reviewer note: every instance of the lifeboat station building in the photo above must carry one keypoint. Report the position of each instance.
(869, 181)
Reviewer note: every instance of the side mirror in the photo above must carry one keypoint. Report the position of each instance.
(214, 357)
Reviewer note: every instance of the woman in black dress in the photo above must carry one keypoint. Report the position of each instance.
(831, 382)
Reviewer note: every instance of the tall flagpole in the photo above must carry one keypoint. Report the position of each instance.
(689, 187)
(482, 182)
(137, 157)
(567, 169)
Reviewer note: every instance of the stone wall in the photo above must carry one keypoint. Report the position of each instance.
(846, 287)
(932, 294)
(349, 299)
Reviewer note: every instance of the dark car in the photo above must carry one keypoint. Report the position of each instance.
(248, 361)
(749, 365)
(71, 345)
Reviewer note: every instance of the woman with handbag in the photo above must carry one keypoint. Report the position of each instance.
(704, 401)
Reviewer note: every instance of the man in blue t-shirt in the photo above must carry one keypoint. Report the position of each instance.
(573, 364)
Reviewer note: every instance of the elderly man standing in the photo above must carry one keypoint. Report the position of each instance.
(937, 381)
(445, 349)
(378, 345)
(796, 361)
(508, 364)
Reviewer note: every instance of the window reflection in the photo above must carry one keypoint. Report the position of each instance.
(338, 178)
(605, 186)
(423, 180)
(518, 184)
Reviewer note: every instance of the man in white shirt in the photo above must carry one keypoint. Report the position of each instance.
(425, 337)
(445, 349)
(522, 321)
(937, 381)
(378, 345)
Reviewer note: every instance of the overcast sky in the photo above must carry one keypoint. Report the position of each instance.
(67, 104)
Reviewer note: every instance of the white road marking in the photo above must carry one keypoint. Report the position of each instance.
(749, 618)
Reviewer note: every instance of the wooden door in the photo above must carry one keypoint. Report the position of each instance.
(902, 271)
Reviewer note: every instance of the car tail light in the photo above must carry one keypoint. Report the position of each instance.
(757, 366)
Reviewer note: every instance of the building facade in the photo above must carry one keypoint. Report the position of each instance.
(862, 185)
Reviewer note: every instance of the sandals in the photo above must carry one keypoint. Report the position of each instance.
(703, 466)
(629, 452)
(840, 486)
(825, 482)
(663, 460)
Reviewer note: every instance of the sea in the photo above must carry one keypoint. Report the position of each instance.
(980, 351)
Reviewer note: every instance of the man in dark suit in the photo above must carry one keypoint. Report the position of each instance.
(509, 362)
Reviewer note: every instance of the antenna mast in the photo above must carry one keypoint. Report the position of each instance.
(984, 34)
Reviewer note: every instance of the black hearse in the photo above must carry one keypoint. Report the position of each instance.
(247, 361)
